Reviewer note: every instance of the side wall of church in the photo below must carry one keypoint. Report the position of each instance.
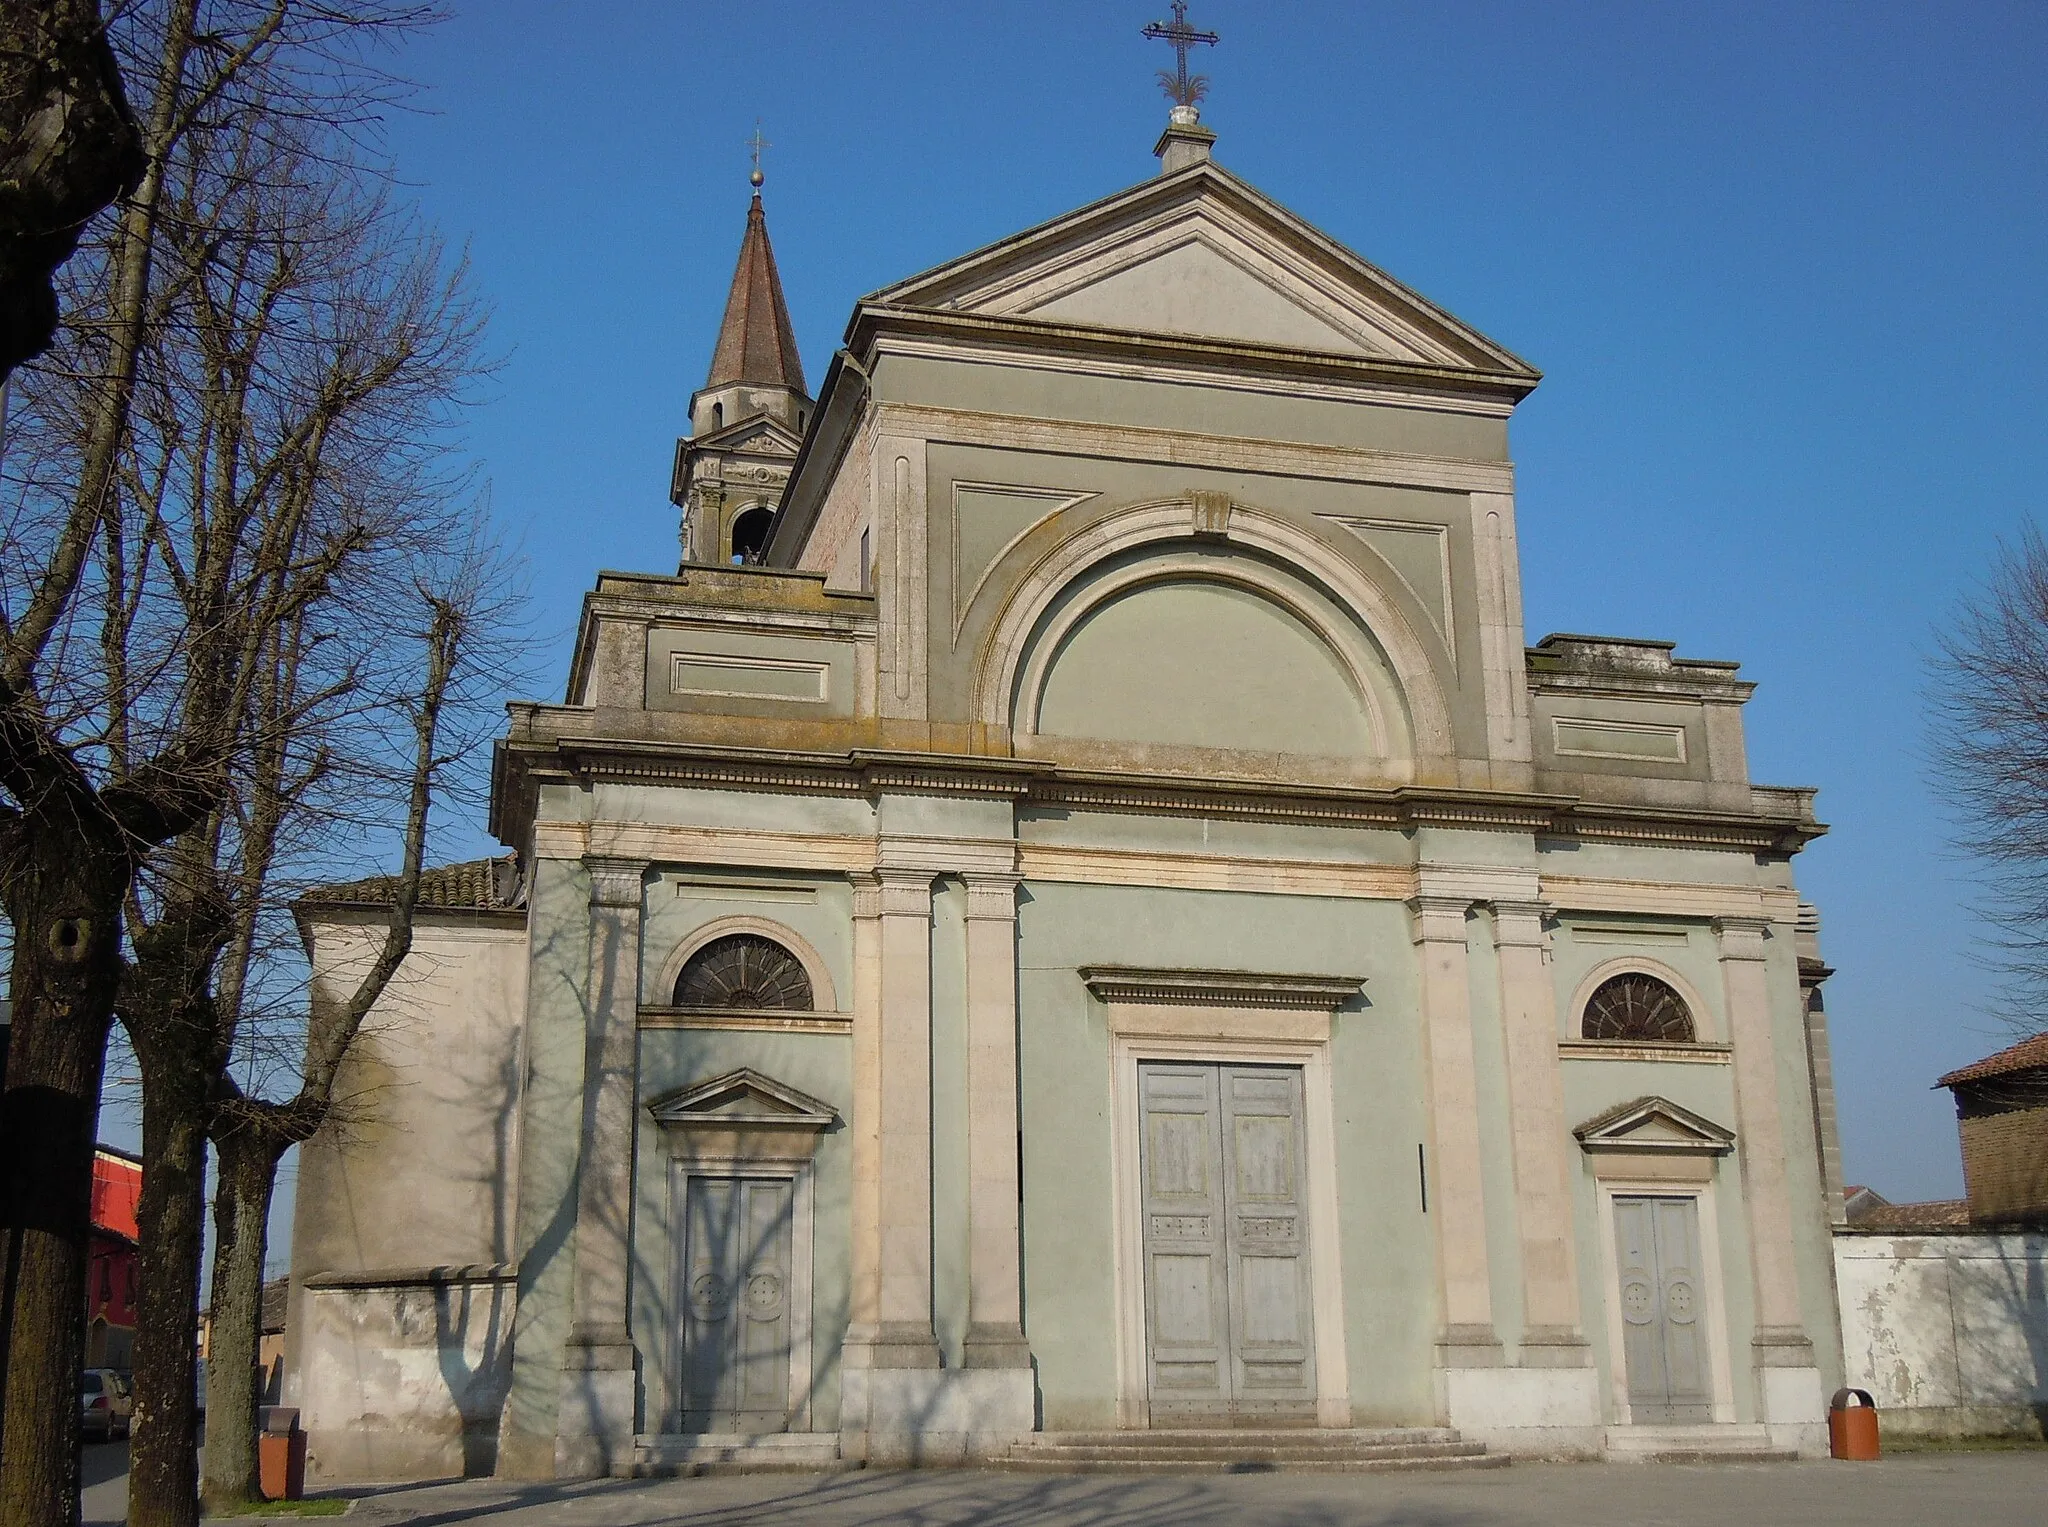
(399, 1331)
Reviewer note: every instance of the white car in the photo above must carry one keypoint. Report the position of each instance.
(105, 1404)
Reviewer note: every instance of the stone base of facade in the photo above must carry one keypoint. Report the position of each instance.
(594, 1428)
(905, 1417)
(1541, 1412)
(1795, 1409)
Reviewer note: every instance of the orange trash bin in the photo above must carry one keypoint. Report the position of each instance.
(281, 1454)
(1852, 1425)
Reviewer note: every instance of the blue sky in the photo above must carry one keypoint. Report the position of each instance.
(1781, 265)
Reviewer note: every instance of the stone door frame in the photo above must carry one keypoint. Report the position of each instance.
(1713, 1291)
(801, 1239)
(1141, 1032)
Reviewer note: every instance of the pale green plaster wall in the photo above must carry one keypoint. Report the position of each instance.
(1377, 1086)
(1207, 665)
(819, 1064)
(550, 1124)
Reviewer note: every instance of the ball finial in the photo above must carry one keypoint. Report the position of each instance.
(755, 179)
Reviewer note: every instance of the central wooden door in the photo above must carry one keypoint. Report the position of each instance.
(1657, 1242)
(735, 1281)
(1229, 1321)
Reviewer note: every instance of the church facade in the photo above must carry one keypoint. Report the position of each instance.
(1076, 911)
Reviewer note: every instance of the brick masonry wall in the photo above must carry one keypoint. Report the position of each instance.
(2005, 1165)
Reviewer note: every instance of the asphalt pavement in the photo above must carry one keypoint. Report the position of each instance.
(1991, 1489)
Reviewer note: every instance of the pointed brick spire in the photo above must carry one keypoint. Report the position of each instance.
(756, 342)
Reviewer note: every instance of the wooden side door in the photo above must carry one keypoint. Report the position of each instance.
(1180, 1165)
(1664, 1344)
(1272, 1306)
(735, 1280)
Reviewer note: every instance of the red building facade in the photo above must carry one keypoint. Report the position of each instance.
(112, 1269)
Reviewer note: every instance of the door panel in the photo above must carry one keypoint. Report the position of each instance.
(735, 1278)
(1228, 1324)
(1181, 1165)
(1273, 1345)
(1663, 1344)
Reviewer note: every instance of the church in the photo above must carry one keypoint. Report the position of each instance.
(1072, 929)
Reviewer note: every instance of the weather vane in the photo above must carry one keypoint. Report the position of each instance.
(754, 146)
(1182, 88)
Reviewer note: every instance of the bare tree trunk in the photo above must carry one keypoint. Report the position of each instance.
(241, 1245)
(163, 1470)
(68, 147)
(65, 908)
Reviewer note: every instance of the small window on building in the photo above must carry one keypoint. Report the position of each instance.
(1638, 1008)
(750, 535)
(744, 970)
(867, 565)
(718, 416)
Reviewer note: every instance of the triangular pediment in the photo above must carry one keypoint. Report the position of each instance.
(758, 436)
(1655, 1124)
(1202, 255)
(742, 1098)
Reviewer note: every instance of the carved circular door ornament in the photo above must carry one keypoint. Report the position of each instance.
(710, 1299)
(1638, 1302)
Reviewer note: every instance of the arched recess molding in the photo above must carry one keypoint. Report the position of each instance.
(1201, 663)
(1152, 632)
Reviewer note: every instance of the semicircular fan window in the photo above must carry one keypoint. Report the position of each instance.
(744, 970)
(1640, 1008)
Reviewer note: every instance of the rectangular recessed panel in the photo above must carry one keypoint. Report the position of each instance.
(1265, 1157)
(1184, 1376)
(1183, 1309)
(1642, 742)
(1177, 1154)
(759, 678)
(1274, 1375)
(1271, 1299)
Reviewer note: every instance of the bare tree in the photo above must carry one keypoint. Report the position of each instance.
(1990, 722)
(68, 146)
(166, 509)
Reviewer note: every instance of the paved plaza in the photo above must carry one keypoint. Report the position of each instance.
(1952, 1490)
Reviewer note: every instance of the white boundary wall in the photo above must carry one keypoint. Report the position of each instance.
(1948, 1330)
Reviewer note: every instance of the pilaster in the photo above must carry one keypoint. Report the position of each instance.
(995, 1332)
(1551, 1336)
(904, 1336)
(1788, 1382)
(595, 1425)
(1457, 1197)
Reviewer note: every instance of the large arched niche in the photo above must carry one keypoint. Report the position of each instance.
(1139, 635)
(1198, 662)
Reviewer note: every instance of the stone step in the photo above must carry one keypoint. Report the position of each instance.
(1085, 1453)
(1714, 1443)
(1244, 1436)
(1026, 1463)
(737, 1453)
(1247, 1450)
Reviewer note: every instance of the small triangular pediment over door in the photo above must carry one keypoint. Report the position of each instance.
(1655, 1125)
(742, 1099)
(1202, 255)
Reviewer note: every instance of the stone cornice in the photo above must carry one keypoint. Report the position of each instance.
(1220, 988)
(870, 773)
(1225, 358)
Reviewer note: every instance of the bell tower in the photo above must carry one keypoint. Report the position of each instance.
(749, 417)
